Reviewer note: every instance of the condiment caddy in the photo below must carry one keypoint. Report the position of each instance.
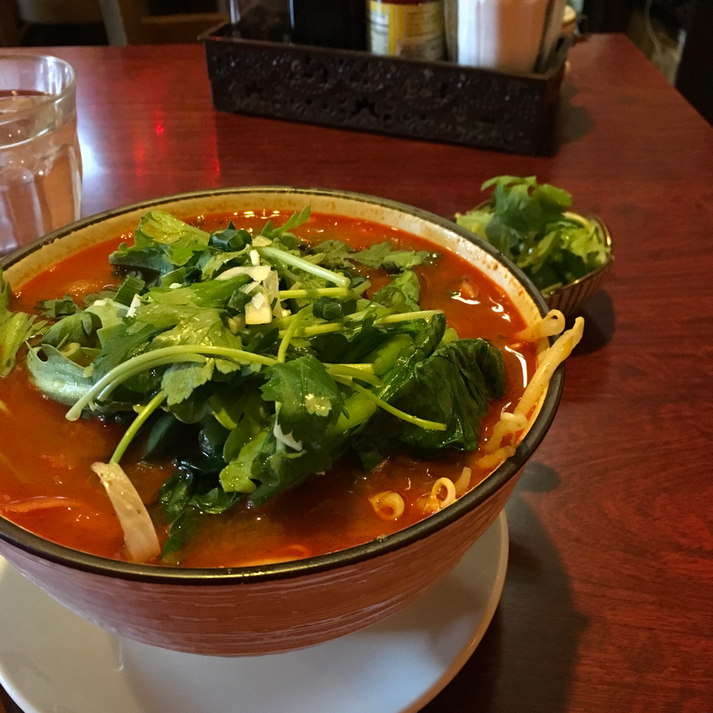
(409, 97)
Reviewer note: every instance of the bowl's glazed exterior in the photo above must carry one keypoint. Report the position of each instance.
(279, 607)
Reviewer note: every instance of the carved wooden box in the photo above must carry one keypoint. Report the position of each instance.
(438, 101)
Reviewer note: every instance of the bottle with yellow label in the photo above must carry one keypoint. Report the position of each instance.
(406, 28)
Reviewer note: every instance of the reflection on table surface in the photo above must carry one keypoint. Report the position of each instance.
(606, 605)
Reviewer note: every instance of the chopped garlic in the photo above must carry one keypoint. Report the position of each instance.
(236, 324)
(272, 288)
(135, 304)
(258, 310)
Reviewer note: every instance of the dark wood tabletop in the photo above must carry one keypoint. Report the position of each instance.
(608, 602)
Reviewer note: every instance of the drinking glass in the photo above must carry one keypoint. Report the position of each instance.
(40, 162)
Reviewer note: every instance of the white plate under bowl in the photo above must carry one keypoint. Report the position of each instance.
(51, 660)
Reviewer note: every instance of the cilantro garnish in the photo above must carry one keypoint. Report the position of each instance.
(530, 223)
(15, 328)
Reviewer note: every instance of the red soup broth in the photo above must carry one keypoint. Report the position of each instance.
(47, 486)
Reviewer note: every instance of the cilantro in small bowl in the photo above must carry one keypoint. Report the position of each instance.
(563, 253)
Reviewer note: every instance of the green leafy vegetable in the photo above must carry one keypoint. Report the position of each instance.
(386, 257)
(530, 224)
(56, 376)
(402, 293)
(257, 361)
(308, 396)
(79, 327)
(131, 287)
(15, 328)
(56, 309)
(383, 255)
(454, 386)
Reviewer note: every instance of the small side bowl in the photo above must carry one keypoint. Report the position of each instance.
(255, 610)
(571, 297)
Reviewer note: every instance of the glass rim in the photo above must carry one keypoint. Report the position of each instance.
(44, 98)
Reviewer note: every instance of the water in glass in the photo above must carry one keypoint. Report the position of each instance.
(40, 163)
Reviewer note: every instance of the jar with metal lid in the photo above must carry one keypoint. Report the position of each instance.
(406, 28)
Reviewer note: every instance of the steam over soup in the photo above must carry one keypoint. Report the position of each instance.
(255, 387)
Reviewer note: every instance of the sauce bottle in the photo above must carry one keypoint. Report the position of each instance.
(406, 28)
(329, 23)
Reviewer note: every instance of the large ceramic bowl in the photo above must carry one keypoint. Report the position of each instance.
(278, 607)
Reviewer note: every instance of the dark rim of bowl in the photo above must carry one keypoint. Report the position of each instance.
(35, 545)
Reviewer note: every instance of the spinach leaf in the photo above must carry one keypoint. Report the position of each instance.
(215, 501)
(148, 259)
(426, 336)
(165, 436)
(205, 492)
(162, 243)
(330, 348)
(176, 493)
(332, 308)
(277, 467)
(453, 386)
(237, 476)
(182, 528)
(230, 239)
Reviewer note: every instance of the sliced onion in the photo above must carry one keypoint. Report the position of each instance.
(40, 503)
(256, 272)
(139, 533)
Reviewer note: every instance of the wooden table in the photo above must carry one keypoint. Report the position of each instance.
(607, 604)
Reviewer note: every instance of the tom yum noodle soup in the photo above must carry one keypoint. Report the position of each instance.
(233, 390)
